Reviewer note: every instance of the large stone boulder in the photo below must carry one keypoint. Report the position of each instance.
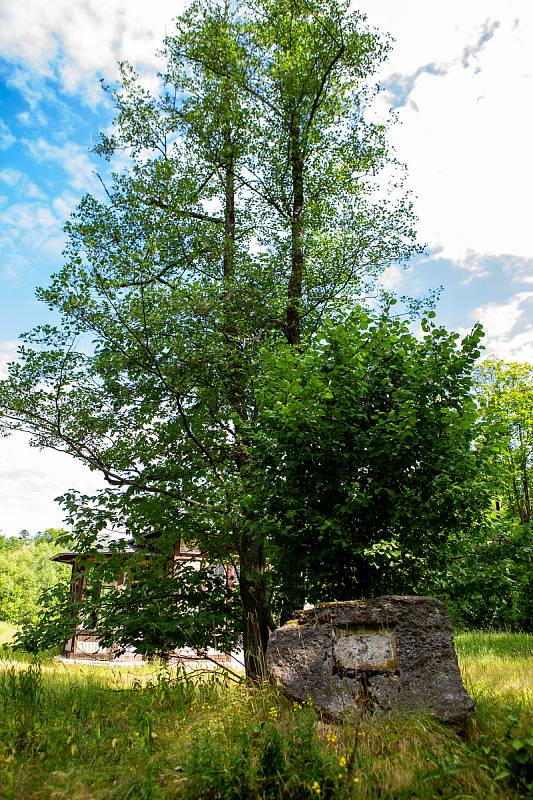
(387, 653)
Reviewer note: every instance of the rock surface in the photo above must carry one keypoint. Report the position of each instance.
(386, 653)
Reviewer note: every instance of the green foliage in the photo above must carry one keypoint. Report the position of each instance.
(365, 446)
(487, 580)
(25, 572)
(504, 392)
(54, 621)
(189, 608)
(156, 610)
(7, 632)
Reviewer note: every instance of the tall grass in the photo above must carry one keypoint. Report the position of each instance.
(69, 731)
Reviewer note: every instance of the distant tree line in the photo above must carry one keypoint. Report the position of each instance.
(488, 581)
(26, 571)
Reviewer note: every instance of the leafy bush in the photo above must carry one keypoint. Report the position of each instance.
(367, 460)
(488, 581)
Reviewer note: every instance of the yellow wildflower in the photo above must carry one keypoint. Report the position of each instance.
(330, 736)
(315, 787)
(273, 713)
(342, 761)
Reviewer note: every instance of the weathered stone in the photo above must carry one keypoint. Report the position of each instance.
(387, 653)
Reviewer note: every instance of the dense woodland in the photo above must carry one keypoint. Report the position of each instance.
(225, 358)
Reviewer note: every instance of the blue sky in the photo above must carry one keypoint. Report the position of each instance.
(460, 79)
(44, 168)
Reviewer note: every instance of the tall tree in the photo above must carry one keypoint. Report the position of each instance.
(505, 396)
(248, 212)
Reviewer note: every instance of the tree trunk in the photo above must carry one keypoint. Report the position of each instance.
(256, 617)
(527, 498)
(517, 499)
(294, 289)
(255, 606)
(524, 476)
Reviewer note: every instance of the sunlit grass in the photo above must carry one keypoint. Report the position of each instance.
(80, 732)
(7, 632)
(482, 644)
(497, 662)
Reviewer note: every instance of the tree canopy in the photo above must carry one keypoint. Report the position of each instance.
(366, 458)
(259, 203)
(505, 396)
(248, 211)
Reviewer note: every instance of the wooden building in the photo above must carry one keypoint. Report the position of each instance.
(84, 644)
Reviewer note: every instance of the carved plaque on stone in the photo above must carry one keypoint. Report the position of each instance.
(360, 649)
(387, 653)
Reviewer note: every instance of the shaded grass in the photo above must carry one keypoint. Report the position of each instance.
(69, 731)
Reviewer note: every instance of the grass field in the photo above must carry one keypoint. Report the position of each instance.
(98, 732)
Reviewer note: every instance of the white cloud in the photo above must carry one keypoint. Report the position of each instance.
(13, 177)
(38, 227)
(474, 264)
(30, 479)
(436, 33)
(74, 43)
(24, 118)
(392, 277)
(6, 137)
(10, 176)
(31, 230)
(73, 159)
(520, 270)
(64, 204)
(501, 321)
(8, 352)
(25, 217)
(502, 268)
(464, 74)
